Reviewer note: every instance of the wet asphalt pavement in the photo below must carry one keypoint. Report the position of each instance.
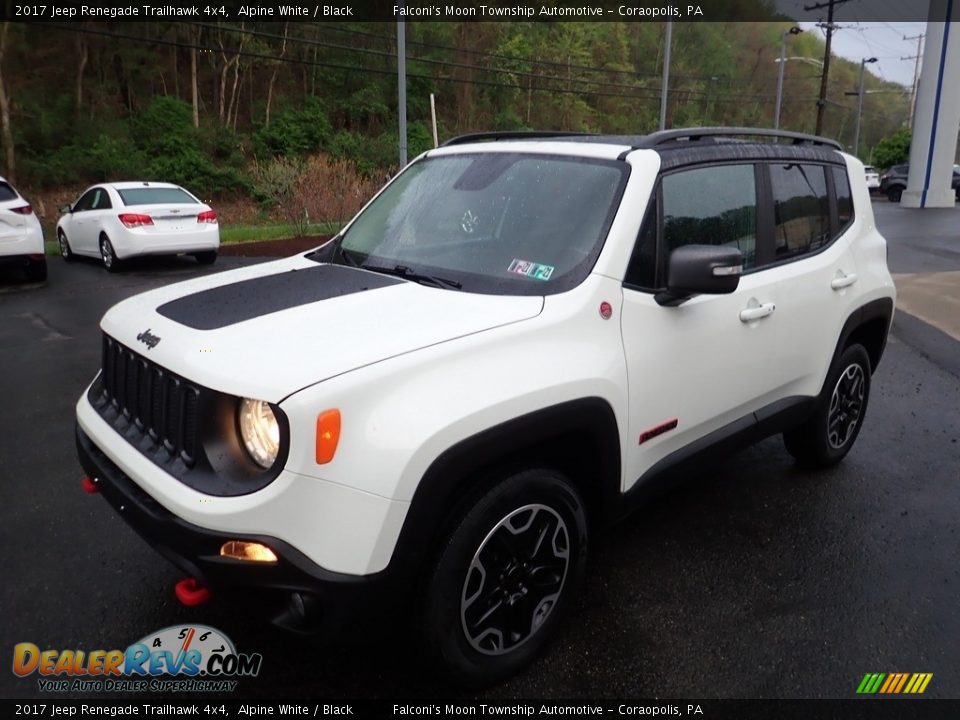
(752, 580)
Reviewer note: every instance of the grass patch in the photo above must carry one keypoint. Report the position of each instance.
(257, 233)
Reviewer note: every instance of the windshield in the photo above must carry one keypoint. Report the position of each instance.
(504, 223)
(154, 196)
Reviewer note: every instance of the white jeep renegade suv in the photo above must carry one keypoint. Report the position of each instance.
(512, 343)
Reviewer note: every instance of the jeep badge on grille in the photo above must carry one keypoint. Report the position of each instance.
(148, 339)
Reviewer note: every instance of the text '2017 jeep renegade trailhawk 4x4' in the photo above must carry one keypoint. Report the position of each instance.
(512, 341)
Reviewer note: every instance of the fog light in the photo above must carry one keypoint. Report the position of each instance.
(251, 552)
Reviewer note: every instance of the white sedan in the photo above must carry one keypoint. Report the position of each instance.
(116, 221)
(872, 177)
(21, 237)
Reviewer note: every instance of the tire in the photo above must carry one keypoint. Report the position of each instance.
(894, 194)
(496, 559)
(208, 257)
(827, 435)
(65, 250)
(109, 257)
(36, 270)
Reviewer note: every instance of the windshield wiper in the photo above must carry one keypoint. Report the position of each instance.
(408, 273)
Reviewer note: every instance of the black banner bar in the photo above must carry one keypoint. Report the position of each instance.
(865, 709)
(455, 11)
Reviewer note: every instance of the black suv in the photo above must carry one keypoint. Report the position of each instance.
(894, 181)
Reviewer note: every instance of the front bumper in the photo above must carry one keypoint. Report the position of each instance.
(313, 598)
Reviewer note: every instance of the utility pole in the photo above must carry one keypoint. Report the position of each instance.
(856, 133)
(822, 102)
(666, 76)
(916, 73)
(783, 61)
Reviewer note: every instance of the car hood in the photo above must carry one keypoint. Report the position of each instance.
(270, 330)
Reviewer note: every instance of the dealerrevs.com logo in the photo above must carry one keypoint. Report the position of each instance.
(195, 658)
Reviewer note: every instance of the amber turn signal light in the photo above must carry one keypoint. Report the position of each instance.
(328, 435)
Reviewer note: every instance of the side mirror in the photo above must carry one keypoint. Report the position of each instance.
(64, 209)
(701, 270)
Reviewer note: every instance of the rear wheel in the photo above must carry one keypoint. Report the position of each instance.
(506, 577)
(65, 252)
(894, 194)
(206, 258)
(827, 436)
(36, 270)
(109, 257)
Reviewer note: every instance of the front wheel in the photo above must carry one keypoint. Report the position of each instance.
(65, 251)
(827, 436)
(506, 577)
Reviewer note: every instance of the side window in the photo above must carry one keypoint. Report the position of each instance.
(642, 270)
(711, 206)
(801, 209)
(101, 200)
(85, 202)
(844, 199)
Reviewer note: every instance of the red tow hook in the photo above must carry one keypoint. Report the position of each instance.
(191, 593)
(89, 486)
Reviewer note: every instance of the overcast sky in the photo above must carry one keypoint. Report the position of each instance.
(882, 40)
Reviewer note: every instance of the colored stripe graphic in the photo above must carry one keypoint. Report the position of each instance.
(894, 683)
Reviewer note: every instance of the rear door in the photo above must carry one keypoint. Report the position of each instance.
(100, 206)
(813, 266)
(78, 225)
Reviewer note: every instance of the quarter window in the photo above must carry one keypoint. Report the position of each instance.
(844, 198)
(801, 207)
(643, 266)
(712, 206)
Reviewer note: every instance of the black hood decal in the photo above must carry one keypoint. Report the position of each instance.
(229, 304)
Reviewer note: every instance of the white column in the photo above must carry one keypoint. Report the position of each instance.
(937, 115)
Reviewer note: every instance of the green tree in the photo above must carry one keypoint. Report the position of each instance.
(893, 150)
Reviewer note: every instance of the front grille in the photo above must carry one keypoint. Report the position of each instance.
(153, 402)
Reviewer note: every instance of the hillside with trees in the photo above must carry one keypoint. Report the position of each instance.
(265, 111)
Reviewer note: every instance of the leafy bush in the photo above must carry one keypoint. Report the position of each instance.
(893, 150)
(294, 132)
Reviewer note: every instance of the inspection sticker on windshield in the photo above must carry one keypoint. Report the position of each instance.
(531, 269)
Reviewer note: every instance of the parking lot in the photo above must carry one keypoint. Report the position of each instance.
(752, 580)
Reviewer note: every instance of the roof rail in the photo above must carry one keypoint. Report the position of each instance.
(510, 135)
(663, 137)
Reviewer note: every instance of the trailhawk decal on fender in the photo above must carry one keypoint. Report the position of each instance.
(230, 304)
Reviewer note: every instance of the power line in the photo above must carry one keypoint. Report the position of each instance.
(640, 92)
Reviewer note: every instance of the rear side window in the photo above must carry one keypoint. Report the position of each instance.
(801, 207)
(844, 199)
(150, 196)
(7, 192)
(714, 205)
(101, 200)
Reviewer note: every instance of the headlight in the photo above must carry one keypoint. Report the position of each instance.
(260, 431)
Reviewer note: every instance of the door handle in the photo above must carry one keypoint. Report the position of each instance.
(756, 312)
(842, 281)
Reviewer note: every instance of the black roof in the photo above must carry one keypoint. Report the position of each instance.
(662, 140)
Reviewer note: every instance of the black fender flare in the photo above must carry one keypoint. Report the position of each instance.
(457, 473)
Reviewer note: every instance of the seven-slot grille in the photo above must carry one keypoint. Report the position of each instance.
(159, 404)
